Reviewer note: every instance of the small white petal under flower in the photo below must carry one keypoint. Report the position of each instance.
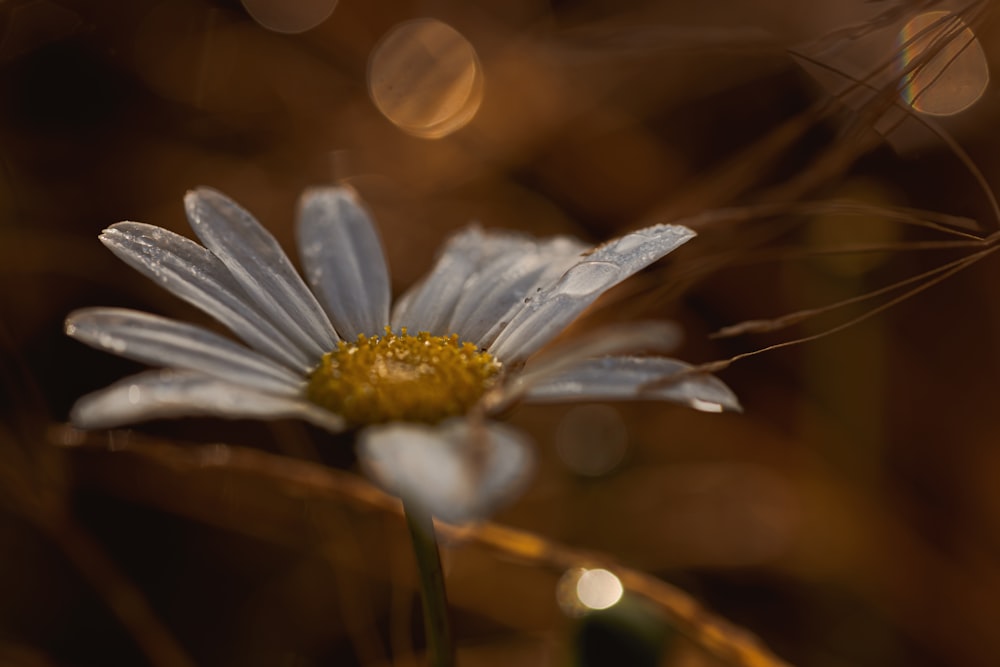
(457, 471)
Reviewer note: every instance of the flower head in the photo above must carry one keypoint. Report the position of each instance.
(337, 353)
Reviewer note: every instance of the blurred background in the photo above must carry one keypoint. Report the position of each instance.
(850, 516)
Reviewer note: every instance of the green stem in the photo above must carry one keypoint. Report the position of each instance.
(440, 649)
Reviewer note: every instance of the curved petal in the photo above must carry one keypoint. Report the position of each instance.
(457, 471)
(492, 295)
(607, 341)
(260, 266)
(164, 342)
(344, 261)
(166, 393)
(194, 274)
(635, 378)
(547, 313)
(429, 304)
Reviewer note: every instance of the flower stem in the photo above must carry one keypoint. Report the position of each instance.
(440, 649)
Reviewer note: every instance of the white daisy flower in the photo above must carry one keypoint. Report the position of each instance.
(461, 342)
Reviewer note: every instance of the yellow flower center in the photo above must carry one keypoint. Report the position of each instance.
(401, 377)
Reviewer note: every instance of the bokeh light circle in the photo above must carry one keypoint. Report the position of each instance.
(945, 68)
(289, 16)
(582, 590)
(592, 439)
(425, 77)
(599, 589)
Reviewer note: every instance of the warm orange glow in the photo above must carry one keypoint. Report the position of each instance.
(289, 16)
(945, 69)
(425, 77)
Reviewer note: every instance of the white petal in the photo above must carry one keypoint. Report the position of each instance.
(344, 261)
(626, 338)
(194, 274)
(429, 303)
(638, 378)
(548, 312)
(165, 394)
(457, 471)
(493, 294)
(163, 342)
(261, 267)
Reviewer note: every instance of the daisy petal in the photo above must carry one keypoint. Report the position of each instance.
(428, 304)
(165, 394)
(344, 261)
(163, 342)
(261, 267)
(637, 378)
(195, 275)
(659, 337)
(548, 312)
(491, 296)
(457, 471)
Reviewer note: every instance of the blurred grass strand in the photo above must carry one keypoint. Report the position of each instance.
(305, 480)
(43, 504)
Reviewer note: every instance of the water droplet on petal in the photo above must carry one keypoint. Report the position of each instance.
(588, 278)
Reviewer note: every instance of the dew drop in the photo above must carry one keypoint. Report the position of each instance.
(588, 278)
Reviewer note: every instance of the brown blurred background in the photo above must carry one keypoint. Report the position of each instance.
(851, 516)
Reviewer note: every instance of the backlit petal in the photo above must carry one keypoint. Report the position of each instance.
(457, 471)
(194, 274)
(166, 394)
(635, 378)
(261, 267)
(168, 343)
(344, 261)
(547, 313)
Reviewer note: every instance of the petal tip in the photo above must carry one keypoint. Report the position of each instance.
(329, 196)
(202, 196)
(112, 235)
